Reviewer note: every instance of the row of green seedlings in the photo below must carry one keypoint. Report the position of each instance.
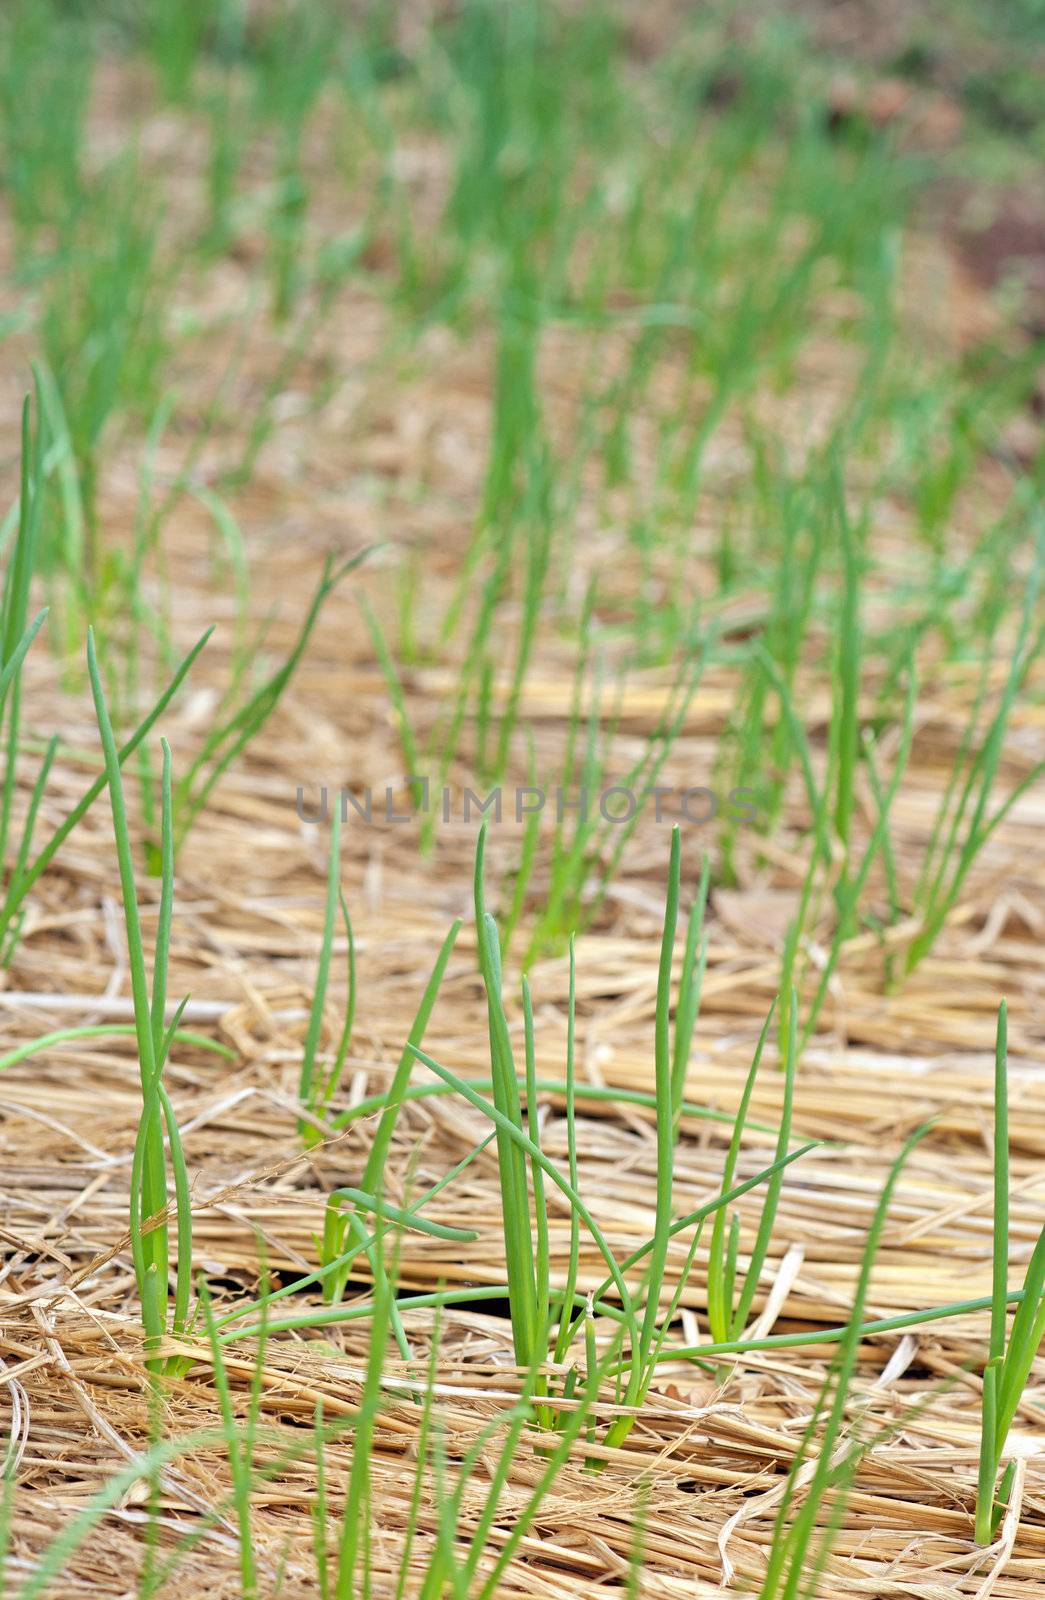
(523, 478)
(150, 1246)
(586, 846)
(517, 422)
(291, 62)
(676, 232)
(530, 495)
(530, 1295)
(966, 817)
(587, 849)
(244, 709)
(542, 1317)
(537, 1311)
(447, 1546)
(480, 1570)
(452, 1563)
(434, 1541)
(534, 1308)
(102, 296)
(104, 327)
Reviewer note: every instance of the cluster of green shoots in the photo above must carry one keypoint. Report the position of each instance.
(158, 1126)
(244, 711)
(535, 1307)
(839, 867)
(562, 1396)
(548, 1321)
(27, 868)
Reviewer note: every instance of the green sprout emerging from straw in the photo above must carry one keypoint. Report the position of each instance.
(1009, 1364)
(726, 1319)
(797, 1557)
(16, 636)
(341, 1223)
(317, 1097)
(525, 1170)
(150, 1241)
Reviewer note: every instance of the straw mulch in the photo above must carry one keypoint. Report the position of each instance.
(397, 456)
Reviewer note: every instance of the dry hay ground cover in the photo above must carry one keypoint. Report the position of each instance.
(378, 442)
